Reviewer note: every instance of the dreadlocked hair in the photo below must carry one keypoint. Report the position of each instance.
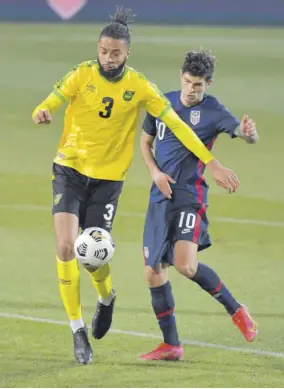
(199, 64)
(119, 26)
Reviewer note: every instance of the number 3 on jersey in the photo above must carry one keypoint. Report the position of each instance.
(109, 102)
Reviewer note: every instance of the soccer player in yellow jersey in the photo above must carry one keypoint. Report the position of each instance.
(104, 99)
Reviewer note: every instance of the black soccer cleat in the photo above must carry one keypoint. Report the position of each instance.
(102, 319)
(82, 349)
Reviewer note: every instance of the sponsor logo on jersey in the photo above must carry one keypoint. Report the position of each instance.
(90, 87)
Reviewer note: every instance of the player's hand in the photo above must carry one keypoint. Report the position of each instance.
(43, 117)
(223, 176)
(162, 180)
(248, 128)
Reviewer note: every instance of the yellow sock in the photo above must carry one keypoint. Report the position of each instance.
(102, 281)
(69, 287)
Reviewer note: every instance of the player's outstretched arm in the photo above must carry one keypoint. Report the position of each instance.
(162, 180)
(224, 177)
(247, 130)
(63, 91)
(42, 114)
(158, 106)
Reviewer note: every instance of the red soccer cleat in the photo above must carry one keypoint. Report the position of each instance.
(245, 323)
(164, 352)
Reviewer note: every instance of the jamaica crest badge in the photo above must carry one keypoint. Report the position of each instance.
(128, 95)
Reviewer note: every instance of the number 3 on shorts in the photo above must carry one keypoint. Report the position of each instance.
(109, 212)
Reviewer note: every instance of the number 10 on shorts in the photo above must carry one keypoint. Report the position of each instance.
(187, 220)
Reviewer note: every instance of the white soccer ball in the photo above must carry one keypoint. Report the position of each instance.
(94, 247)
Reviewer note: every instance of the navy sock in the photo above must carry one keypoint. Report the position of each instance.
(208, 280)
(164, 305)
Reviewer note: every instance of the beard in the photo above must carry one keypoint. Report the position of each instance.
(112, 74)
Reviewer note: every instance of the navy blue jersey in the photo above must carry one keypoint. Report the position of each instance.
(208, 119)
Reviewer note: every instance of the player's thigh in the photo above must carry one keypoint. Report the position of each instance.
(68, 196)
(102, 204)
(66, 226)
(190, 236)
(156, 244)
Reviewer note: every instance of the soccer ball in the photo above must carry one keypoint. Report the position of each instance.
(94, 247)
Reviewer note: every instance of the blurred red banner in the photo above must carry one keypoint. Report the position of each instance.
(66, 9)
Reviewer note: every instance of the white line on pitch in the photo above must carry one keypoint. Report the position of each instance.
(40, 208)
(153, 336)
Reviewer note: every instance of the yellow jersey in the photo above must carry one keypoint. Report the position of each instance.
(101, 119)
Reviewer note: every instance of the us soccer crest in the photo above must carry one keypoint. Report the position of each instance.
(128, 95)
(194, 117)
(146, 252)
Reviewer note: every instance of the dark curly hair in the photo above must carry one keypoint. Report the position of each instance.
(119, 26)
(199, 64)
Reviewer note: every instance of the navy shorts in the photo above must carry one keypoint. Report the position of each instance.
(170, 221)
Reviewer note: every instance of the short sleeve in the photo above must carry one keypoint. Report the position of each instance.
(68, 86)
(154, 101)
(226, 123)
(149, 125)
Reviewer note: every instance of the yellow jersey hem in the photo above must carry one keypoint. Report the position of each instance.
(84, 172)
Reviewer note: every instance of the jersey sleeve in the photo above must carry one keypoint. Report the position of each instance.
(69, 85)
(63, 91)
(227, 122)
(154, 101)
(51, 103)
(187, 136)
(149, 125)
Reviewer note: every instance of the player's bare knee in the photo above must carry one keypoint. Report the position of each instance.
(149, 273)
(188, 269)
(185, 258)
(156, 276)
(65, 250)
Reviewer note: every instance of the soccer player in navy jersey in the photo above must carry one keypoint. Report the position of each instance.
(176, 226)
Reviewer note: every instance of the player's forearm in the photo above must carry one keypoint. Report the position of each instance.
(148, 157)
(187, 136)
(51, 103)
(249, 139)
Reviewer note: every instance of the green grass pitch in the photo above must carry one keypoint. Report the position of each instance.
(248, 256)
